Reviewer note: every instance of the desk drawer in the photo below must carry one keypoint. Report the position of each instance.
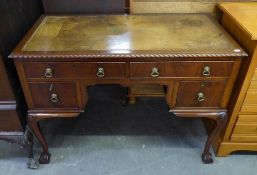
(200, 93)
(54, 95)
(74, 70)
(180, 69)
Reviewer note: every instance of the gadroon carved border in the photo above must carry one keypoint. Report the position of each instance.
(191, 55)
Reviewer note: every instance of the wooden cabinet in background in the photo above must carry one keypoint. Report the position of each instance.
(239, 19)
(177, 6)
(10, 124)
(16, 18)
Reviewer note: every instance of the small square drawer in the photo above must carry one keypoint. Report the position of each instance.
(180, 69)
(53, 70)
(54, 95)
(200, 93)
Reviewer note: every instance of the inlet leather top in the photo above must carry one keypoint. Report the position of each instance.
(128, 34)
(245, 14)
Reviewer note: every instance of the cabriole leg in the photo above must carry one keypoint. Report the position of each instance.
(35, 128)
(220, 123)
(31, 163)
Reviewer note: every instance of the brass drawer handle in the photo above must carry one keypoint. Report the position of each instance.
(206, 71)
(48, 73)
(100, 72)
(155, 72)
(54, 98)
(200, 97)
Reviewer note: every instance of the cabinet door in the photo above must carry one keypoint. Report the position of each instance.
(200, 93)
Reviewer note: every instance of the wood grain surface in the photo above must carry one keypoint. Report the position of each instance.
(122, 34)
(240, 12)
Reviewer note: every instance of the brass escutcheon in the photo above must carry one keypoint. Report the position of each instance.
(48, 73)
(100, 72)
(200, 97)
(206, 71)
(155, 72)
(54, 98)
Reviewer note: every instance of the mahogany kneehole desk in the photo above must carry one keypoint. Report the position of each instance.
(190, 54)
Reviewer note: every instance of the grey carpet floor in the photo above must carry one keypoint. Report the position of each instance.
(110, 139)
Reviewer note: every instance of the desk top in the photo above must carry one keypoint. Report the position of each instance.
(136, 35)
(245, 14)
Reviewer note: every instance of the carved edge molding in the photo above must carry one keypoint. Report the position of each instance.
(200, 55)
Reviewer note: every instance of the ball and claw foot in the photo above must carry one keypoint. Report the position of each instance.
(44, 158)
(207, 158)
(32, 163)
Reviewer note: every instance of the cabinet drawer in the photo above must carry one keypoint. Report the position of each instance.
(250, 101)
(180, 69)
(253, 87)
(243, 138)
(247, 118)
(75, 70)
(241, 128)
(200, 93)
(245, 129)
(249, 108)
(244, 133)
(250, 98)
(54, 95)
(255, 75)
